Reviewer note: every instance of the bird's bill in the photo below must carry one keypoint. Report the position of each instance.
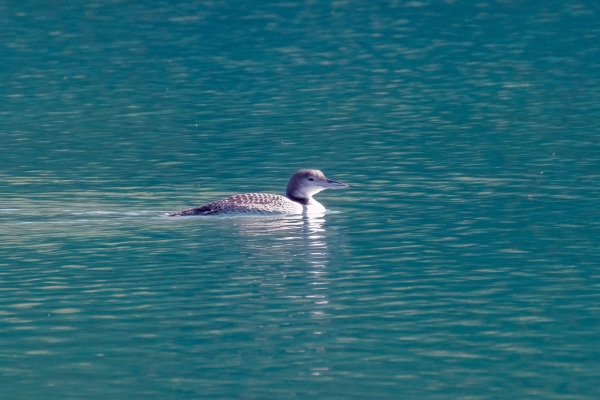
(331, 184)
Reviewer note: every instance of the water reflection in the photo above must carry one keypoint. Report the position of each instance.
(302, 238)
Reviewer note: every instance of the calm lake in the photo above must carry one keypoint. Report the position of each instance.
(462, 261)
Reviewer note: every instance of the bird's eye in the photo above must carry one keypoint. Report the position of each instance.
(311, 179)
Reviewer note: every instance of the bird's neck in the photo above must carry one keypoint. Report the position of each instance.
(298, 198)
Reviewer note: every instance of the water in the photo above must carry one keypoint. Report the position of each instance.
(460, 263)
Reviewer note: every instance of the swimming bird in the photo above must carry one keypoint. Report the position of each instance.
(298, 198)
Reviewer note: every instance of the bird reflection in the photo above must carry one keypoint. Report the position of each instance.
(298, 239)
(303, 237)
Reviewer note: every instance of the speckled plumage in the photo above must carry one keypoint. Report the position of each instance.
(300, 189)
(246, 203)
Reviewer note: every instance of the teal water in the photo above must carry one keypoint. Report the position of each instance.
(462, 262)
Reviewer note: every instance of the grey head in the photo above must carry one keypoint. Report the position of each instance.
(308, 182)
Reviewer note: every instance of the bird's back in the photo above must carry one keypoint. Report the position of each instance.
(246, 203)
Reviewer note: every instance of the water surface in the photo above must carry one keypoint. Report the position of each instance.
(460, 263)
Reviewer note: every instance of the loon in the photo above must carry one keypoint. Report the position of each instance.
(297, 200)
